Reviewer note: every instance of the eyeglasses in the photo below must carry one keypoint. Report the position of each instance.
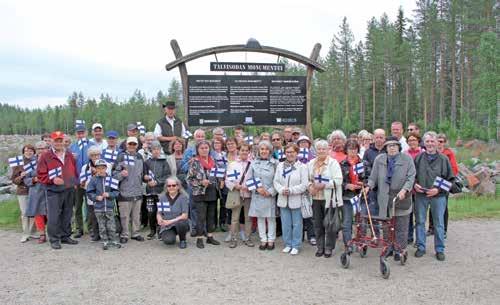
(441, 141)
(171, 185)
(410, 129)
(274, 140)
(290, 152)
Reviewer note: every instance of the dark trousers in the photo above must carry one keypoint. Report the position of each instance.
(431, 223)
(205, 212)
(307, 224)
(223, 218)
(169, 236)
(79, 196)
(59, 213)
(325, 240)
(93, 224)
(151, 210)
(144, 212)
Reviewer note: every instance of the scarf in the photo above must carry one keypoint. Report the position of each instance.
(391, 162)
(207, 165)
(431, 157)
(353, 177)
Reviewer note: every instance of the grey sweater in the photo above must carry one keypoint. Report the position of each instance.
(130, 186)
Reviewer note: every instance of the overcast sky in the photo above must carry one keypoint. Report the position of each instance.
(48, 49)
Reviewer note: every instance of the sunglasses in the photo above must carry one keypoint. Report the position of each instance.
(132, 143)
(171, 185)
(441, 141)
(274, 140)
(410, 129)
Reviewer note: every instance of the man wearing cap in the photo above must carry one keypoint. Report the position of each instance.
(169, 127)
(296, 132)
(98, 134)
(112, 140)
(79, 149)
(130, 170)
(57, 172)
(132, 131)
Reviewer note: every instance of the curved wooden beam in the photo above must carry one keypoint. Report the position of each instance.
(243, 48)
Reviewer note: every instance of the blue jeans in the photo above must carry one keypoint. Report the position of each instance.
(437, 206)
(347, 221)
(291, 227)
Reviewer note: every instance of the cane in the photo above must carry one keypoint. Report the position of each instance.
(369, 214)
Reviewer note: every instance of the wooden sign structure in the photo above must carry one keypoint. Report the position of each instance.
(251, 46)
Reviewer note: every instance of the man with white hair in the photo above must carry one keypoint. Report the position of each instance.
(98, 139)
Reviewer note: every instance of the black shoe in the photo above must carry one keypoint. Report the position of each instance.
(319, 253)
(397, 257)
(429, 232)
(419, 253)
(138, 238)
(440, 256)
(270, 247)
(193, 233)
(183, 244)
(123, 240)
(151, 235)
(69, 241)
(328, 253)
(95, 238)
(199, 243)
(78, 234)
(263, 246)
(212, 241)
(105, 246)
(55, 245)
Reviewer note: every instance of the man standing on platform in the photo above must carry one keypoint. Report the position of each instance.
(169, 127)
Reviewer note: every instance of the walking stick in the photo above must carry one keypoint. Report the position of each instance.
(369, 214)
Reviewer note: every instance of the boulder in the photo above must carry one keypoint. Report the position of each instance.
(6, 197)
(5, 181)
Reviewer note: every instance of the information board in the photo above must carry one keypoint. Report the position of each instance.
(229, 100)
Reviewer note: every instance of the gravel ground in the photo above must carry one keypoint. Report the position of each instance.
(151, 273)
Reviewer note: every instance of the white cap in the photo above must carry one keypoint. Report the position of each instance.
(132, 140)
(96, 125)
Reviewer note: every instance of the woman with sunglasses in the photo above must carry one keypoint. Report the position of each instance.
(172, 215)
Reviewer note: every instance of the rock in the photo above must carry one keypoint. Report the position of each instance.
(5, 181)
(5, 189)
(486, 187)
(6, 197)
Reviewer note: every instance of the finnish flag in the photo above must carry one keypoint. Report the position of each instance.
(142, 128)
(217, 172)
(321, 179)
(129, 160)
(253, 183)
(358, 168)
(187, 134)
(56, 172)
(112, 183)
(163, 206)
(85, 175)
(235, 175)
(16, 161)
(442, 184)
(82, 143)
(110, 155)
(355, 204)
(304, 153)
(222, 160)
(249, 140)
(31, 166)
(288, 171)
(79, 122)
(151, 174)
(280, 154)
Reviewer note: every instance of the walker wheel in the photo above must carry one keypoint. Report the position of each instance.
(384, 269)
(363, 251)
(345, 260)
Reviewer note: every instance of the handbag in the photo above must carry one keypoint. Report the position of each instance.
(306, 205)
(233, 197)
(332, 221)
(457, 186)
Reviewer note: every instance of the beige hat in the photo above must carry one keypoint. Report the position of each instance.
(132, 140)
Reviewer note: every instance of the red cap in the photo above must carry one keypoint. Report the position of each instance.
(57, 135)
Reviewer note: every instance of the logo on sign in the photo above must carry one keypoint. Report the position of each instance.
(248, 120)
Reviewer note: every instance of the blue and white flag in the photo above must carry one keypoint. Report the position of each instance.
(79, 122)
(85, 175)
(442, 184)
(235, 175)
(217, 172)
(16, 161)
(187, 134)
(249, 140)
(287, 171)
(56, 172)
(29, 167)
(358, 168)
(280, 154)
(321, 179)
(151, 175)
(141, 128)
(163, 206)
(82, 143)
(355, 204)
(110, 155)
(304, 153)
(222, 160)
(253, 183)
(112, 183)
(129, 160)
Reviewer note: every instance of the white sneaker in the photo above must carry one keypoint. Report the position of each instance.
(228, 237)
(35, 236)
(25, 238)
(242, 235)
(286, 250)
(294, 251)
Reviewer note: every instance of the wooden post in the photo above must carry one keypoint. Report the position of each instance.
(184, 79)
(310, 72)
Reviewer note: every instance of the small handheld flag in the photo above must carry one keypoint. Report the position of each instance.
(110, 155)
(358, 168)
(82, 143)
(141, 128)
(31, 166)
(217, 172)
(85, 175)
(288, 171)
(321, 179)
(151, 174)
(442, 184)
(129, 160)
(253, 183)
(79, 122)
(16, 161)
(249, 140)
(235, 175)
(355, 204)
(56, 172)
(222, 160)
(112, 183)
(304, 153)
(187, 134)
(280, 154)
(163, 206)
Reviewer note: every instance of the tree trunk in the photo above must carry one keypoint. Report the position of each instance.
(442, 75)
(432, 110)
(373, 103)
(407, 100)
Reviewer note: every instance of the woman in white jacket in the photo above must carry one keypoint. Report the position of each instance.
(325, 186)
(290, 181)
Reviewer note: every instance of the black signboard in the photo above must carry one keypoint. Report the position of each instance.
(246, 67)
(229, 100)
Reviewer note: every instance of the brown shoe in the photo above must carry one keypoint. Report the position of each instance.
(42, 239)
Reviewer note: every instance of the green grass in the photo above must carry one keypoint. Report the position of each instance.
(10, 215)
(474, 207)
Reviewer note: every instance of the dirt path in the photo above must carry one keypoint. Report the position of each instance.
(150, 273)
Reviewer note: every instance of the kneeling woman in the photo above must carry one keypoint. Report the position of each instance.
(173, 207)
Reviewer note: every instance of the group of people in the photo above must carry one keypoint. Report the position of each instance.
(278, 183)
